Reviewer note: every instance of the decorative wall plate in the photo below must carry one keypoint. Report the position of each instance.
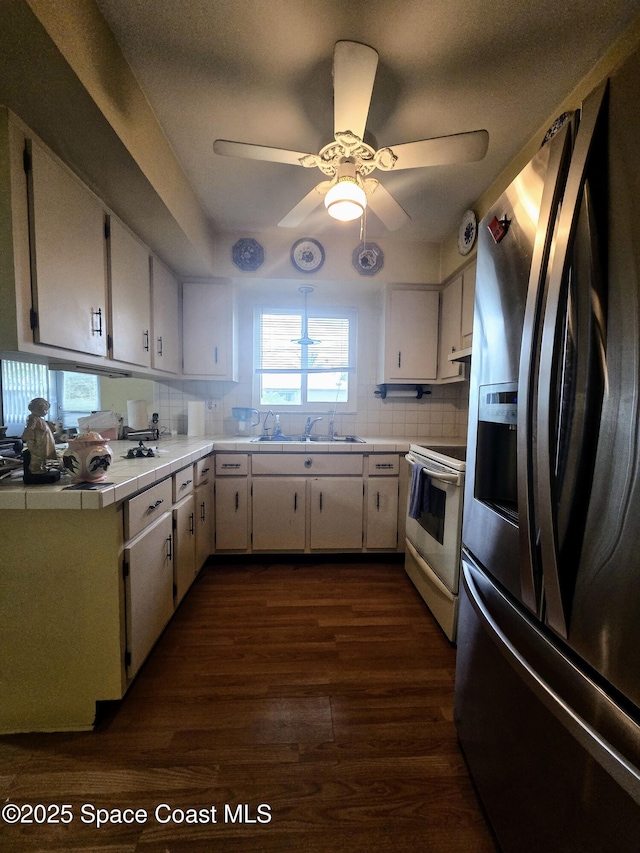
(368, 258)
(247, 254)
(467, 232)
(307, 255)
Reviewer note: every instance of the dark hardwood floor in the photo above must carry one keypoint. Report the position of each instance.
(310, 703)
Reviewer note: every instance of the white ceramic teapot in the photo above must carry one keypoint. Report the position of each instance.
(87, 458)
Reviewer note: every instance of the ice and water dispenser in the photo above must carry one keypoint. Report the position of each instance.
(496, 454)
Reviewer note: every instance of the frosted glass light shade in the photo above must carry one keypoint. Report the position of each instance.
(345, 200)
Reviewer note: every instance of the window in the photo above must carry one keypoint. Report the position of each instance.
(21, 382)
(78, 395)
(305, 374)
(72, 395)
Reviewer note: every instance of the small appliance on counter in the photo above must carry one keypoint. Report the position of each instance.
(245, 416)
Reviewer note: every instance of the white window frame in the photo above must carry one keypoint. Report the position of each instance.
(346, 407)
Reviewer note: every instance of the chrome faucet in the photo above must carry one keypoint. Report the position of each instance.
(309, 425)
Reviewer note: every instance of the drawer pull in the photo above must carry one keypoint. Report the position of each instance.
(308, 462)
(230, 464)
(386, 465)
(205, 471)
(186, 483)
(155, 505)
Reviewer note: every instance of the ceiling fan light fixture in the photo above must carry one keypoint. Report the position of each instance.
(346, 200)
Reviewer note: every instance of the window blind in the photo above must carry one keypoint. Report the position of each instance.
(278, 350)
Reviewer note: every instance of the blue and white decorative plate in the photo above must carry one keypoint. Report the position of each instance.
(247, 254)
(368, 258)
(467, 232)
(307, 255)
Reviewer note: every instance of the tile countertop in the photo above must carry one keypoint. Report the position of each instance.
(128, 476)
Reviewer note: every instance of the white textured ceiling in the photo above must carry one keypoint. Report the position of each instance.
(260, 71)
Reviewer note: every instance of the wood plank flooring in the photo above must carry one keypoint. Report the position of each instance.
(322, 690)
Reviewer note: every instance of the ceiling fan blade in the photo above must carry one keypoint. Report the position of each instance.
(442, 150)
(354, 71)
(305, 206)
(258, 152)
(384, 205)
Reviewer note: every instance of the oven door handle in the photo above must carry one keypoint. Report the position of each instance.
(435, 475)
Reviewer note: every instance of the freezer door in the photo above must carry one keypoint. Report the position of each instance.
(554, 757)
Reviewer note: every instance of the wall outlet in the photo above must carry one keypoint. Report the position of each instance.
(212, 405)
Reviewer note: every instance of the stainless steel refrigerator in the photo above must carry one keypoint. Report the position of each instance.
(548, 661)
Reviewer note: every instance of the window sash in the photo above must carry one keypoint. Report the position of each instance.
(278, 354)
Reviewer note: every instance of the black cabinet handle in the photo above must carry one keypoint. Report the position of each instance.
(98, 314)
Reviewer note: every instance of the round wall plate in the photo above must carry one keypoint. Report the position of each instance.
(247, 254)
(467, 232)
(367, 258)
(307, 255)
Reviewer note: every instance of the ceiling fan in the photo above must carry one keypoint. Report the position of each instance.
(348, 161)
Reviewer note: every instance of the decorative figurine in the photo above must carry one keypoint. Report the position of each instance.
(40, 445)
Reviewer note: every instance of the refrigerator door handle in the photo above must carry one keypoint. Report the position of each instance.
(624, 773)
(552, 325)
(552, 193)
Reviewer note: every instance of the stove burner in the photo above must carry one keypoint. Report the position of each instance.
(139, 452)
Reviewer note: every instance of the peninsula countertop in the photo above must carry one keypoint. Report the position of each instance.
(128, 476)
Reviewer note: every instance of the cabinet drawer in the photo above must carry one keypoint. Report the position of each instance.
(344, 464)
(183, 483)
(146, 507)
(384, 464)
(232, 463)
(204, 470)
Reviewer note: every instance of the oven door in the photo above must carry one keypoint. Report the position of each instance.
(436, 534)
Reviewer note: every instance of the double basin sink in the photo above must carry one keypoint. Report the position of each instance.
(349, 439)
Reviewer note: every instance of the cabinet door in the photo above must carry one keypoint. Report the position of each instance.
(411, 336)
(232, 514)
(208, 330)
(382, 513)
(279, 514)
(130, 292)
(148, 589)
(450, 328)
(165, 353)
(336, 513)
(184, 562)
(68, 258)
(468, 296)
(205, 524)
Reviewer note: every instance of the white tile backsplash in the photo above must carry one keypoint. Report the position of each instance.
(443, 413)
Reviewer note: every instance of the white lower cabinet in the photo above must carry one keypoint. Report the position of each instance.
(336, 513)
(279, 514)
(381, 531)
(148, 589)
(306, 502)
(184, 528)
(232, 514)
(205, 523)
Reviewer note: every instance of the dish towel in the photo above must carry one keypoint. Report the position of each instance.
(418, 491)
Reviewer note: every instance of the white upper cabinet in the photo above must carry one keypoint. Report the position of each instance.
(468, 299)
(165, 340)
(130, 291)
(209, 330)
(450, 329)
(68, 269)
(409, 335)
